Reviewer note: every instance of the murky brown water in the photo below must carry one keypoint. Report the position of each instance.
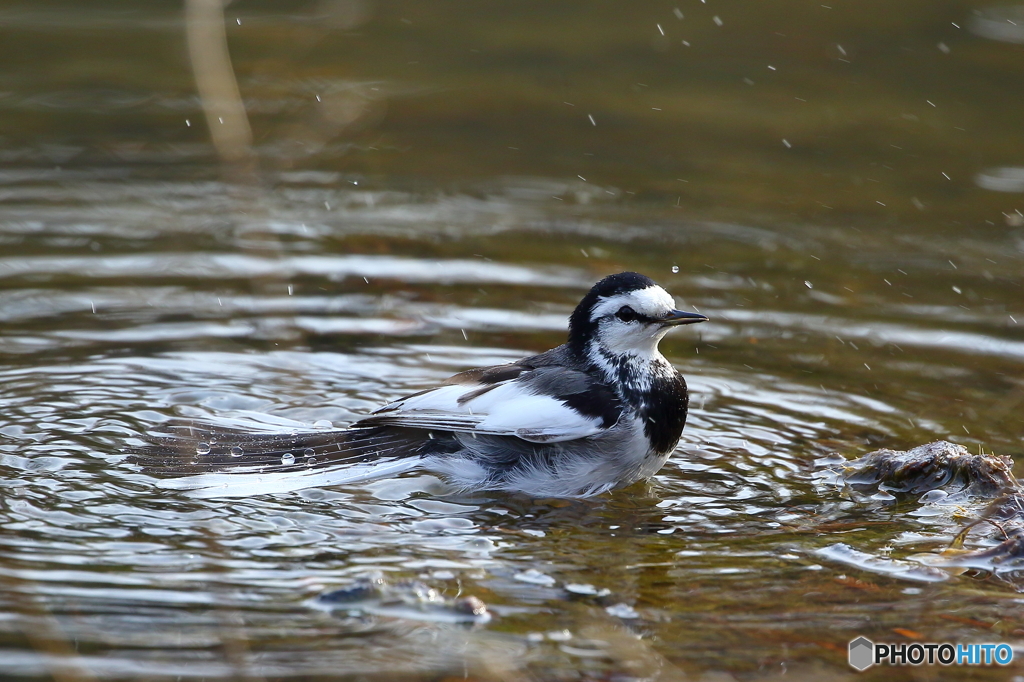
(432, 187)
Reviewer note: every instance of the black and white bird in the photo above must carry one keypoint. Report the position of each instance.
(599, 412)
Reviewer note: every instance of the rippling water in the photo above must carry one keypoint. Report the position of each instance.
(308, 315)
(139, 284)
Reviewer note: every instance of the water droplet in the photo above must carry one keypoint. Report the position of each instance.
(308, 452)
(322, 424)
(310, 461)
(287, 458)
(237, 451)
(202, 448)
(933, 496)
(675, 268)
(213, 440)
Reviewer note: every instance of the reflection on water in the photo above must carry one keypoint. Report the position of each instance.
(1004, 23)
(1002, 180)
(858, 298)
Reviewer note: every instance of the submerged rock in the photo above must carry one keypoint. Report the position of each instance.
(933, 466)
(946, 474)
(409, 599)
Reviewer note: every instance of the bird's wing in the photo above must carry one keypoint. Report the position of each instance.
(540, 405)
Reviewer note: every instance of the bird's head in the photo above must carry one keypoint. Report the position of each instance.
(625, 314)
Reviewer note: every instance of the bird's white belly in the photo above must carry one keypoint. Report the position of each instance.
(583, 468)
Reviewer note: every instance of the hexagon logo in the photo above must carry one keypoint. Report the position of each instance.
(862, 653)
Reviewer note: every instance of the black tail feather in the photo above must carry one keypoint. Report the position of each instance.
(186, 448)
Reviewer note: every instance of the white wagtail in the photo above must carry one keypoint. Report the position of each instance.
(599, 412)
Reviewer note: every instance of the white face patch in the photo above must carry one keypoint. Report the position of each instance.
(632, 338)
(652, 301)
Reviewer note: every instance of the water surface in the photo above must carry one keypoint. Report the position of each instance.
(433, 188)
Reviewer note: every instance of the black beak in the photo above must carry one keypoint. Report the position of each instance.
(678, 317)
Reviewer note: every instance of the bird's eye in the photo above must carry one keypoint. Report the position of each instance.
(627, 314)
